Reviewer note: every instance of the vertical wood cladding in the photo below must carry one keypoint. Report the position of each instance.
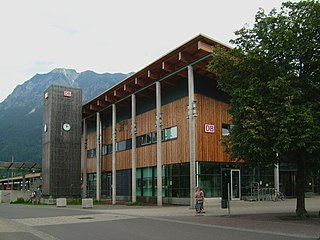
(61, 163)
(208, 146)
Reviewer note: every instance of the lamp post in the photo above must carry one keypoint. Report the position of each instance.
(32, 182)
(12, 158)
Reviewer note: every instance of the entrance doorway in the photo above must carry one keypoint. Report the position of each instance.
(231, 178)
(287, 182)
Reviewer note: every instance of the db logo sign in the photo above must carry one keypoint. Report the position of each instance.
(67, 93)
(209, 128)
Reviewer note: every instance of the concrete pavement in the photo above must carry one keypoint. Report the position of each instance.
(275, 217)
(270, 218)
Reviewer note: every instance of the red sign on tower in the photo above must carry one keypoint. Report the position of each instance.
(67, 93)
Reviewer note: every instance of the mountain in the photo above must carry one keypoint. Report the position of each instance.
(21, 112)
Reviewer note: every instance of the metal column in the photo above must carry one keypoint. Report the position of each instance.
(98, 157)
(134, 146)
(114, 176)
(84, 159)
(191, 115)
(159, 149)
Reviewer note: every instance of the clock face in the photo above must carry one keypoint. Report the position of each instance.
(66, 127)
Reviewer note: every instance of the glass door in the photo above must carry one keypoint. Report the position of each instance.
(235, 184)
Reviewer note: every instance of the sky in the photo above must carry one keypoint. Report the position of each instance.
(37, 36)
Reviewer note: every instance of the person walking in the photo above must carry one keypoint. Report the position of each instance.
(200, 201)
(196, 196)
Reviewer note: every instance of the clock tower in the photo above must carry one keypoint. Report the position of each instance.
(61, 142)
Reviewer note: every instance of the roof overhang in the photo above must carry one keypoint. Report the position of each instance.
(195, 52)
(19, 166)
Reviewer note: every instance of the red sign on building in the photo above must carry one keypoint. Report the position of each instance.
(67, 93)
(209, 128)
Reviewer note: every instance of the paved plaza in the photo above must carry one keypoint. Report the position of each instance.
(247, 220)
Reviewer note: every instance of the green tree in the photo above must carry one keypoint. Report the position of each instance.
(272, 76)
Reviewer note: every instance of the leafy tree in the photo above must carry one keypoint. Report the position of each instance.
(273, 78)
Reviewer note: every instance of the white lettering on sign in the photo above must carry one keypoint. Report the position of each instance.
(209, 128)
(67, 93)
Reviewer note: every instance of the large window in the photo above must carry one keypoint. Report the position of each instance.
(154, 137)
(91, 181)
(226, 128)
(146, 139)
(147, 182)
(139, 182)
(177, 180)
(170, 133)
(91, 153)
(106, 149)
(209, 178)
(142, 140)
(124, 145)
(124, 182)
(149, 138)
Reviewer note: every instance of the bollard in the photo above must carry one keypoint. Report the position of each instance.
(87, 203)
(61, 202)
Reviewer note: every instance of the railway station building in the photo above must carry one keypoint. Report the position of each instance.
(167, 120)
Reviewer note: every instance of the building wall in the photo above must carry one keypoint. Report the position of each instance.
(61, 146)
(208, 146)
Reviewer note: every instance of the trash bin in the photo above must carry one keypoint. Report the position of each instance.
(224, 203)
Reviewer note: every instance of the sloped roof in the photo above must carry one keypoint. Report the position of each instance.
(195, 52)
(19, 166)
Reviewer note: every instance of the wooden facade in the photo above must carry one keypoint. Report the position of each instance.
(189, 99)
(208, 145)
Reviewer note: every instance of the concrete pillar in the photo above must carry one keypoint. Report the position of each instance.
(114, 176)
(159, 143)
(276, 178)
(84, 159)
(134, 147)
(197, 166)
(24, 182)
(98, 158)
(191, 115)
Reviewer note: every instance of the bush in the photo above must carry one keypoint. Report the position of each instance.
(18, 201)
(136, 204)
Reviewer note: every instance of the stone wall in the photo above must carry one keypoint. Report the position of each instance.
(7, 196)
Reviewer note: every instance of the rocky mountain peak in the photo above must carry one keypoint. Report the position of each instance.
(21, 112)
(71, 74)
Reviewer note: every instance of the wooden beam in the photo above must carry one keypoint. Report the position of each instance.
(109, 98)
(168, 67)
(145, 94)
(184, 58)
(94, 107)
(140, 82)
(87, 111)
(124, 103)
(153, 75)
(117, 93)
(91, 120)
(183, 74)
(204, 47)
(128, 88)
(168, 82)
(101, 103)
